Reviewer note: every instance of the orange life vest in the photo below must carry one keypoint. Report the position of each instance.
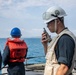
(18, 50)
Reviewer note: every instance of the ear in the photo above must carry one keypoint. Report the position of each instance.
(58, 21)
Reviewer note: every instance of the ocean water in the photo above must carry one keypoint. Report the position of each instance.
(35, 49)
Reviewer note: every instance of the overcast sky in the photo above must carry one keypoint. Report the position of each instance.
(27, 15)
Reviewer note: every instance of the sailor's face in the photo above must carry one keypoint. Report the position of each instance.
(51, 26)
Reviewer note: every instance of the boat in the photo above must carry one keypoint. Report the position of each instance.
(33, 69)
(30, 69)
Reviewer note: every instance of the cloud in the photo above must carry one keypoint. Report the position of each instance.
(0, 1)
(34, 32)
(30, 3)
(21, 4)
(18, 8)
(12, 11)
(68, 4)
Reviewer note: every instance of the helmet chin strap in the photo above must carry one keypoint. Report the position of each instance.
(55, 29)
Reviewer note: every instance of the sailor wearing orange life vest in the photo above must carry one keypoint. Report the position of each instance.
(61, 51)
(15, 53)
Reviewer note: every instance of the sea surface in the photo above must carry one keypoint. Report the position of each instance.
(35, 50)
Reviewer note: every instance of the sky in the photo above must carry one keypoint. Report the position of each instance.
(27, 15)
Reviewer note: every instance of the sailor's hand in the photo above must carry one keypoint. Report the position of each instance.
(44, 40)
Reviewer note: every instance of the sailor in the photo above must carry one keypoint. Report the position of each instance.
(15, 52)
(61, 51)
